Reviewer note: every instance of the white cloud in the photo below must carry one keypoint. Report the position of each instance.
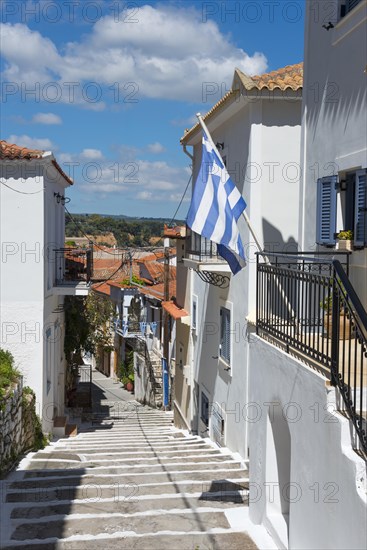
(91, 154)
(156, 148)
(127, 176)
(46, 118)
(169, 53)
(185, 122)
(32, 143)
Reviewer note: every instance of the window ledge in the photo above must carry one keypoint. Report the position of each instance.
(222, 363)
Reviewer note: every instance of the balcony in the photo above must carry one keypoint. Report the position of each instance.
(202, 255)
(307, 306)
(73, 271)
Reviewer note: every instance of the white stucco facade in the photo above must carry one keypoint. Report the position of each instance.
(261, 147)
(32, 320)
(307, 485)
(334, 118)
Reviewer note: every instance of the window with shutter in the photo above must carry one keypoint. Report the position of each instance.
(225, 334)
(326, 211)
(360, 211)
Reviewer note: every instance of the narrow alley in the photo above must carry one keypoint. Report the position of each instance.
(128, 479)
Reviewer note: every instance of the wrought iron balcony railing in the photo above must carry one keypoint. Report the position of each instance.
(73, 265)
(201, 249)
(310, 305)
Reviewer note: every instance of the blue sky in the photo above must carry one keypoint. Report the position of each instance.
(110, 86)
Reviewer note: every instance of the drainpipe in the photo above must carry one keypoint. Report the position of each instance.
(187, 153)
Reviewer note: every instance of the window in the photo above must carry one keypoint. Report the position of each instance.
(194, 312)
(353, 191)
(204, 409)
(326, 211)
(347, 6)
(225, 334)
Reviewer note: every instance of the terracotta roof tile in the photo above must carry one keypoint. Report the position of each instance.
(290, 76)
(157, 291)
(175, 311)
(286, 78)
(174, 232)
(102, 288)
(12, 151)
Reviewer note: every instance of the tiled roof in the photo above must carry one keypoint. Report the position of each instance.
(156, 271)
(102, 288)
(174, 232)
(175, 311)
(289, 77)
(104, 268)
(286, 78)
(159, 255)
(11, 151)
(157, 291)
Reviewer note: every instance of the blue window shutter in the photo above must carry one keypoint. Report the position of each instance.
(326, 211)
(360, 211)
(352, 4)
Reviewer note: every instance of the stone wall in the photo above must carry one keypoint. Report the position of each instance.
(19, 426)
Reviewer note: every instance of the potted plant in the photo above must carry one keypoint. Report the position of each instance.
(344, 321)
(345, 239)
(130, 384)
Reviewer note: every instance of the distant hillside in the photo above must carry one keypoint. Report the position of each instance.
(126, 230)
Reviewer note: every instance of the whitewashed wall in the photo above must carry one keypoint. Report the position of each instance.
(334, 138)
(261, 143)
(29, 224)
(303, 469)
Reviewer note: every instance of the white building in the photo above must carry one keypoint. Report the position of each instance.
(291, 397)
(36, 272)
(308, 389)
(257, 126)
(139, 324)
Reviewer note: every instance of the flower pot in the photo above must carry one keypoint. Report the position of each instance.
(129, 386)
(344, 244)
(343, 321)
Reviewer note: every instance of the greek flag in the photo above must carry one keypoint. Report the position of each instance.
(216, 205)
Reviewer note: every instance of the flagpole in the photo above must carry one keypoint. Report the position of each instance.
(249, 225)
(244, 214)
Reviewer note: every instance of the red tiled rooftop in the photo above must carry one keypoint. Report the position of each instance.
(174, 232)
(286, 78)
(102, 288)
(157, 291)
(290, 76)
(173, 309)
(12, 151)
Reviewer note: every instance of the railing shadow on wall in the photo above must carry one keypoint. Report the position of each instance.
(307, 302)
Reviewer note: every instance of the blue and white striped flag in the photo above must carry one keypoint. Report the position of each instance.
(216, 205)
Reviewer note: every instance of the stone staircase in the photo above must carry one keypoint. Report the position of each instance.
(128, 482)
(61, 428)
(156, 364)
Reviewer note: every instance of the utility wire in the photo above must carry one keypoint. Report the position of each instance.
(22, 192)
(182, 198)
